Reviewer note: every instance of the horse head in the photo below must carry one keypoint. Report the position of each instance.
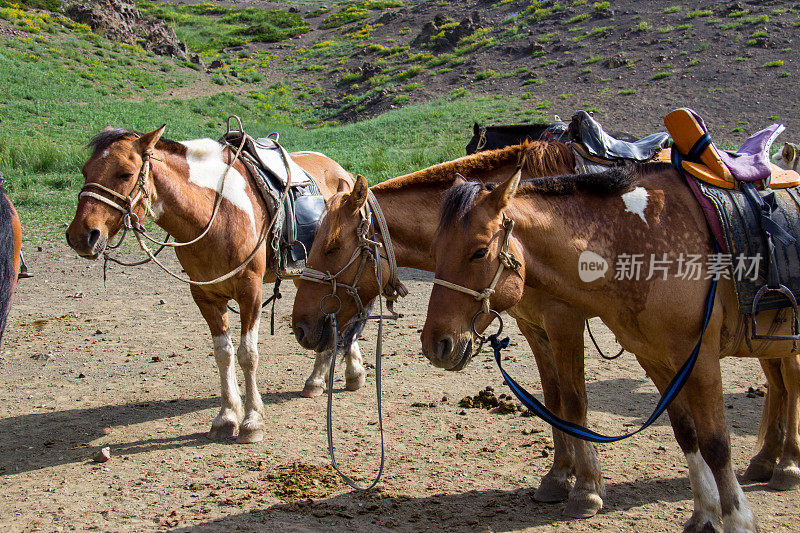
(337, 251)
(477, 269)
(115, 187)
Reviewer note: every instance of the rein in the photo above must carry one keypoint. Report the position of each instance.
(130, 220)
(368, 251)
(530, 401)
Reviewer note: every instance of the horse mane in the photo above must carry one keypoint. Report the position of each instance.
(538, 158)
(458, 200)
(109, 136)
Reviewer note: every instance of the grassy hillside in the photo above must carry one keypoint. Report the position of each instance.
(59, 84)
(383, 86)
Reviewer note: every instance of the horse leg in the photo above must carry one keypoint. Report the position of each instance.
(786, 475)
(771, 432)
(703, 391)
(354, 373)
(252, 427)
(315, 384)
(555, 485)
(706, 516)
(565, 331)
(215, 314)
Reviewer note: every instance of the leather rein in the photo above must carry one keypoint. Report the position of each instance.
(368, 251)
(130, 220)
(506, 259)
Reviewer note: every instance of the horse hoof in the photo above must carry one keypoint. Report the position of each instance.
(312, 390)
(224, 431)
(702, 525)
(249, 436)
(785, 478)
(552, 490)
(355, 382)
(759, 471)
(583, 504)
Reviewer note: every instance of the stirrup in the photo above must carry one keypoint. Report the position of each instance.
(781, 289)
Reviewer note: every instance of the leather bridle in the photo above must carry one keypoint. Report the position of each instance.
(367, 251)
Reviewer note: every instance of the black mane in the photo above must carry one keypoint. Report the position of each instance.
(458, 200)
(107, 137)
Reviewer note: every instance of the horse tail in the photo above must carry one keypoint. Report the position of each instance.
(10, 244)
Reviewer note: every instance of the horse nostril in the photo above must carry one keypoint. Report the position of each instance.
(443, 348)
(94, 236)
(299, 333)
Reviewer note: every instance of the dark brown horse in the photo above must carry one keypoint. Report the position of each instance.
(553, 329)
(179, 191)
(10, 246)
(645, 210)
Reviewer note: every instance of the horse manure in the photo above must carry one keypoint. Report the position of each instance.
(756, 393)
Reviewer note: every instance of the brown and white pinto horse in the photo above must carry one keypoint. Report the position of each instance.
(183, 183)
(554, 330)
(659, 320)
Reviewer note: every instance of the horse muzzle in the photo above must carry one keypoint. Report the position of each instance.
(89, 244)
(449, 354)
(314, 335)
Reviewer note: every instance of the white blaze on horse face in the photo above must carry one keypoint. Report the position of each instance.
(206, 168)
(636, 202)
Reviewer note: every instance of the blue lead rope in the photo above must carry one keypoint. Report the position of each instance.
(580, 432)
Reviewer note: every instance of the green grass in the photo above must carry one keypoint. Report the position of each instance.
(672, 9)
(626, 92)
(210, 27)
(662, 75)
(777, 63)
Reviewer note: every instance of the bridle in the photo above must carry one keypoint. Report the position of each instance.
(506, 259)
(367, 251)
(130, 221)
(121, 202)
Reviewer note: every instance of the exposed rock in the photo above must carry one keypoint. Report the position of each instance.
(102, 455)
(120, 20)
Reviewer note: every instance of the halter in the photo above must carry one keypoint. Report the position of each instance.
(506, 258)
(120, 202)
(367, 251)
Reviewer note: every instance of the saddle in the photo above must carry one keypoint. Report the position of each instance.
(593, 143)
(298, 218)
(695, 153)
(753, 210)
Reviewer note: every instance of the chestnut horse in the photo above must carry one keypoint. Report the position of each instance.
(659, 319)
(10, 246)
(180, 189)
(554, 330)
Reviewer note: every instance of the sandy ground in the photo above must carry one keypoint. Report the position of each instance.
(130, 366)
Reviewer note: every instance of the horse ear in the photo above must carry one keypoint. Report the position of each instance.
(343, 186)
(476, 129)
(788, 153)
(503, 193)
(358, 197)
(148, 141)
(459, 180)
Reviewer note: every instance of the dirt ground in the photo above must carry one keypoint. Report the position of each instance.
(130, 366)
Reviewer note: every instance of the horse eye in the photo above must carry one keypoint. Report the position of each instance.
(479, 254)
(125, 176)
(332, 250)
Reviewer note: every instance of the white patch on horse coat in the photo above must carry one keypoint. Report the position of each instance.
(104, 154)
(158, 210)
(206, 168)
(704, 487)
(308, 152)
(636, 202)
